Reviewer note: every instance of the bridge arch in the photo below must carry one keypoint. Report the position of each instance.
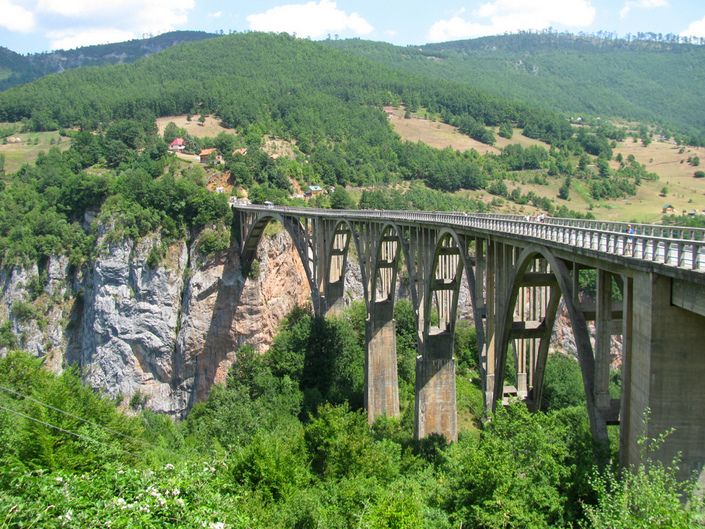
(342, 233)
(538, 269)
(298, 234)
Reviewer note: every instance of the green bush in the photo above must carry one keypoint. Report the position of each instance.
(212, 241)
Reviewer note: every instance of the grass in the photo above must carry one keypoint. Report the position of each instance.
(26, 151)
(661, 157)
(210, 128)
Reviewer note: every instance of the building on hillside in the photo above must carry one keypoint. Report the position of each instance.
(210, 156)
(668, 209)
(313, 190)
(390, 113)
(242, 151)
(177, 145)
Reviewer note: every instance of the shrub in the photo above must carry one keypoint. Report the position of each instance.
(213, 241)
(24, 311)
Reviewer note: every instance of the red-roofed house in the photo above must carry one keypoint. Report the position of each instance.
(177, 145)
(240, 151)
(210, 156)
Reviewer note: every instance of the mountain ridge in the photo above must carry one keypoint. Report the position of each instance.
(574, 75)
(17, 69)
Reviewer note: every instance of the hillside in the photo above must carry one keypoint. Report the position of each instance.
(16, 69)
(328, 105)
(649, 81)
(662, 157)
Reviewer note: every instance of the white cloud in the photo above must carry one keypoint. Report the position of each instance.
(504, 16)
(642, 4)
(217, 14)
(67, 39)
(15, 18)
(72, 23)
(696, 29)
(79, 8)
(311, 19)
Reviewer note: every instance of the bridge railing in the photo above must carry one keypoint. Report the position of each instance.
(675, 246)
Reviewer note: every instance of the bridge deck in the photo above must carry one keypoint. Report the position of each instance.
(672, 251)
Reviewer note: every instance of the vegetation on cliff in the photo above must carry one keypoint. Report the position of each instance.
(284, 441)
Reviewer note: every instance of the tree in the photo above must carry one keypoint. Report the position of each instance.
(505, 130)
(584, 161)
(563, 385)
(341, 199)
(646, 495)
(603, 166)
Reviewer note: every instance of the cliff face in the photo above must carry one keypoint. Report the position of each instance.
(164, 335)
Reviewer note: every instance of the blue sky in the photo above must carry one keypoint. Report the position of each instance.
(29, 26)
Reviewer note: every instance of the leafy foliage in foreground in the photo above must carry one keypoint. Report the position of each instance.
(248, 456)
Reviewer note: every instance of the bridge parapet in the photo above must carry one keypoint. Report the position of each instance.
(674, 250)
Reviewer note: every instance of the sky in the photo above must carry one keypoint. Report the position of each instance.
(33, 26)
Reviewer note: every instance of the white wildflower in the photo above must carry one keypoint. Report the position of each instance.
(168, 466)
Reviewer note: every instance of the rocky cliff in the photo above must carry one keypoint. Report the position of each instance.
(159, 337)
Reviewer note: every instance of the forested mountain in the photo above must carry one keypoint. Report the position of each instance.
(16, 69)
(654, 80)
(325, 102)
(251, 78)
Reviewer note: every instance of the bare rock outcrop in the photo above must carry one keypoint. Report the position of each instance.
(164, 334)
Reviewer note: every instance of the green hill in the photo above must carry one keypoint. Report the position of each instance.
(299, 86)
(18, 69)
(656, 81)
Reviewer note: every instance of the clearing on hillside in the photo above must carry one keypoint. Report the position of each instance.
(30, 144)
(211, 127)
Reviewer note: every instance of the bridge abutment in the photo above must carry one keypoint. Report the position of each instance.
(664, 373)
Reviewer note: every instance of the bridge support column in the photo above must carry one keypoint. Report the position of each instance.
(335, 297)
(436, 410)
(665, 372)
(381, 378)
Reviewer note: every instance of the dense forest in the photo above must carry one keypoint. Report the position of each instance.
(284, 442)
(580, 76)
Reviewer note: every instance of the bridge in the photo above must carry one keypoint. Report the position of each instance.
(518, 271)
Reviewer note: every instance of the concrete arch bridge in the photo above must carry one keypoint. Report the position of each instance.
(518, 271)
